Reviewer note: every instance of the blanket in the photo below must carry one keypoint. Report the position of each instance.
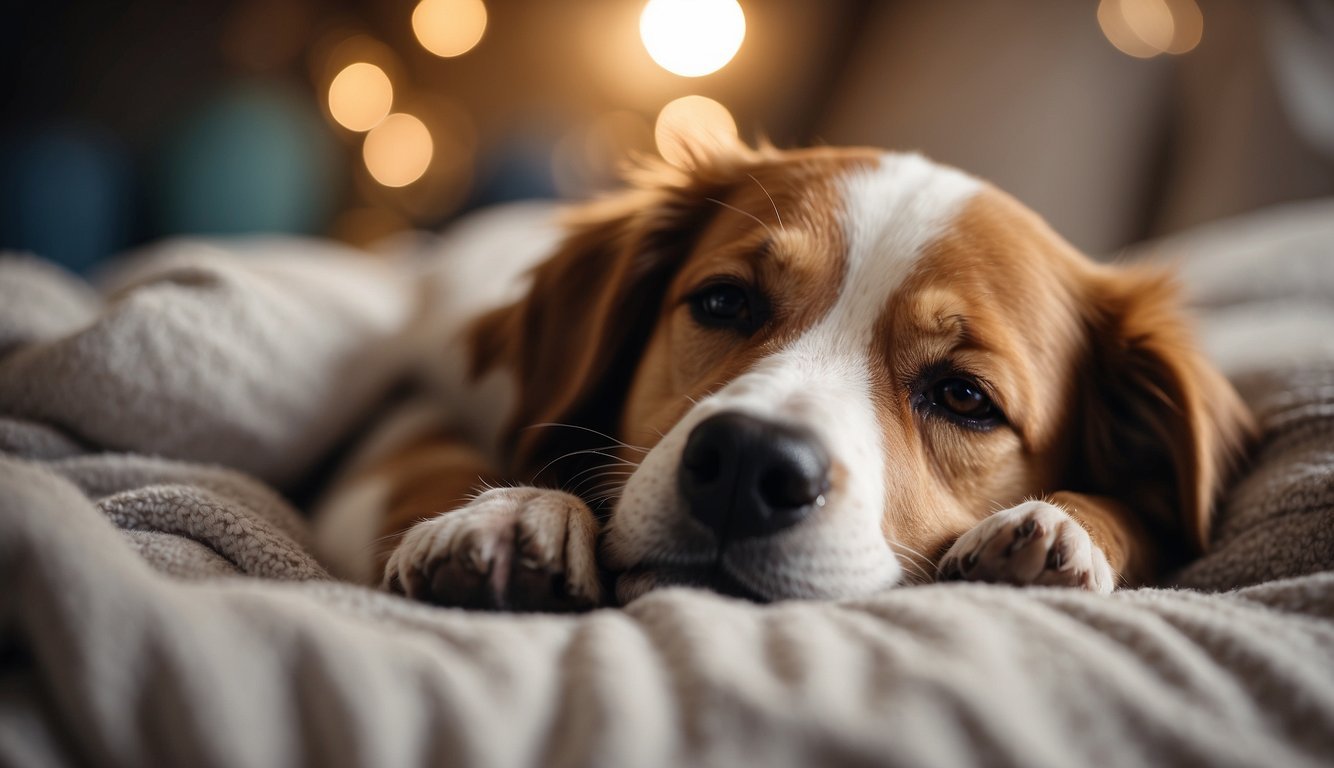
(159, 604)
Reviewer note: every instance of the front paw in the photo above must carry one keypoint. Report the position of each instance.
(1034, 543)
(520, 549)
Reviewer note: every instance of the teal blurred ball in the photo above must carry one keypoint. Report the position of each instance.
(250, 159)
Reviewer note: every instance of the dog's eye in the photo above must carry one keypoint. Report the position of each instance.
(965, 400)
(723, 305)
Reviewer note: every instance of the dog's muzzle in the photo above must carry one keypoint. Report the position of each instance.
(744, 477)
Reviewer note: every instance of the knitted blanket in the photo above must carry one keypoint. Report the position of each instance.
(159, 605)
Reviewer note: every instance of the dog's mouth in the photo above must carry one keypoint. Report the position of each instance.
(643, 578)
(699, 566)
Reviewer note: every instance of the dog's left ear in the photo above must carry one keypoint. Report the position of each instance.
(1163, 429)
(575, 339)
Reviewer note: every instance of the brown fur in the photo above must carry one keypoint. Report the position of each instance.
(430, 474)
(577, 340)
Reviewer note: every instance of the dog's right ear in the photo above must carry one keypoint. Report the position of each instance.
(1163, 430)
(574, 341)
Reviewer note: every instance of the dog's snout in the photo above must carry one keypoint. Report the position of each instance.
(744, 476)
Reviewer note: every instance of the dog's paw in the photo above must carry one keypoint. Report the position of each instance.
(1034, 543)
(519, 549)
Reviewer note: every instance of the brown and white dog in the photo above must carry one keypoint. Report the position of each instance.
(791, 374)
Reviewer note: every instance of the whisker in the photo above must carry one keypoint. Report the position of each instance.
(609, 484)
(583, 452)
(613, 457)
(771, 201)
(606, 485)
(752, 216)
(917, 561)
(920, 576)
(600, 479)
(602, 493)
(599, 433)
(599, 473)
(909, 550)
(596, 476)
(603, 500)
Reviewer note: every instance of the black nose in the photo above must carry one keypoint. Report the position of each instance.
(743, 476)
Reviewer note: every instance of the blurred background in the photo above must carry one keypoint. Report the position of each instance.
(122, 121)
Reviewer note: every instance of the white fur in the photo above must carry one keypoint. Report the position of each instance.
(891, 214)
(992, 552)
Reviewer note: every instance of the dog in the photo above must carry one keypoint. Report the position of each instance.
(776, 374)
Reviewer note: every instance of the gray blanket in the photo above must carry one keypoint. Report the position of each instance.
(160, 605)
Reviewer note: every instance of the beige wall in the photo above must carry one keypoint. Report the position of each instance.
(1111, 149)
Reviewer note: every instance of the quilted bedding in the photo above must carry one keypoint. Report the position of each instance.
(159, 604)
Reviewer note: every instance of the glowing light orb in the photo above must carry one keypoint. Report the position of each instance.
(1188, 26)
(692, 122)
(398, 150)
(360, 96)
(1147, 28)
(449, 28)
(692, 38)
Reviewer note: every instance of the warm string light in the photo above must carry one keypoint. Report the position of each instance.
(1147, 28)
(688, 37)
(360, 96)
(692, 122)
(398, 150)
(449, 28)
(692, 38)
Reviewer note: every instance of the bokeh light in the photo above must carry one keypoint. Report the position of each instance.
(692, 38)
(692, 122)
(449, 27)
(1188, 25)
(1147, 28)
(398, 150)
(360, 96)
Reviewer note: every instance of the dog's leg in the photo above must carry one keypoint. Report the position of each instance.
(1068, 539)
(505, 548)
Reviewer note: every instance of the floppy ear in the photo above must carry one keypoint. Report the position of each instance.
(575, 339)
(1162, 428)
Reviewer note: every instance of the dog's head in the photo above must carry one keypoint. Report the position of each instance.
(825, 365)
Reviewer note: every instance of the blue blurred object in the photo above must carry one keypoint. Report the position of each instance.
(253, 158)
(65, 194)
(518, 168)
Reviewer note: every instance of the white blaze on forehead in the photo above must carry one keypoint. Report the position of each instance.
(891, 214)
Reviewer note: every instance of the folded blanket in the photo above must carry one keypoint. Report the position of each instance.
(162, 611)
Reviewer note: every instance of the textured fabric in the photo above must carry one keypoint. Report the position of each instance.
(256, 354)
(156, 611)
(1263, 286)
